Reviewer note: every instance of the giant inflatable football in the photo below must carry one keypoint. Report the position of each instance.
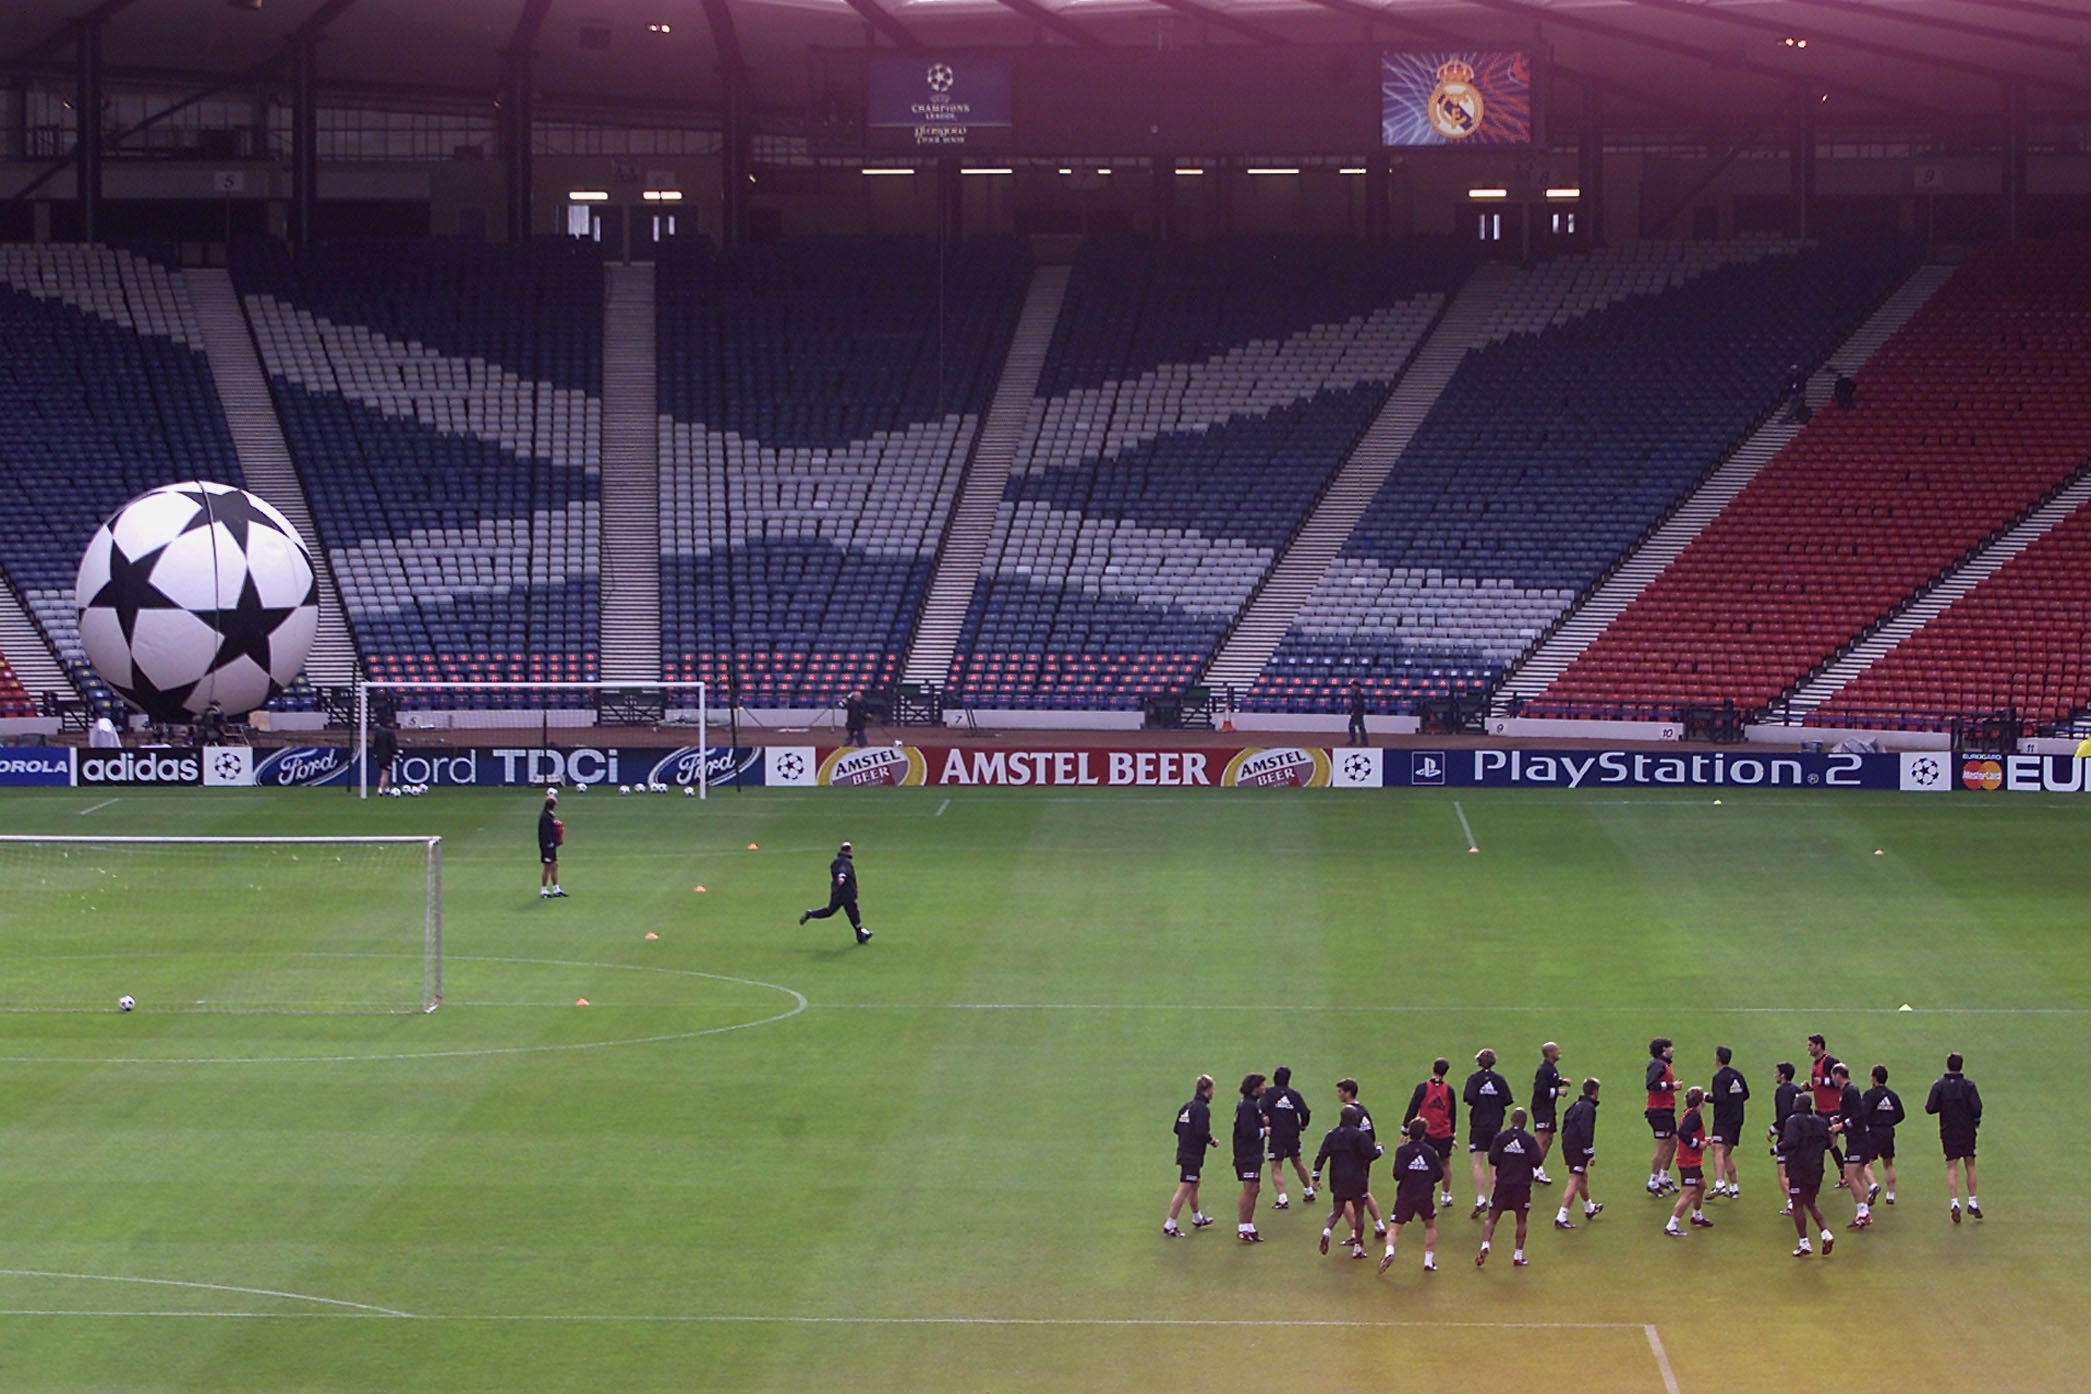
(197, 593)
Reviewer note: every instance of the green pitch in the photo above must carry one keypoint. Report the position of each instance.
(763, 1158)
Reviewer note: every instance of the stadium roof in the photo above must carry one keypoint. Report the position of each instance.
(1899, 60)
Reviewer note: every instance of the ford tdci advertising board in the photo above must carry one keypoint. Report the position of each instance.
(500, 767)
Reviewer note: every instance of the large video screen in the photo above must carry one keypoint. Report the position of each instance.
(953, 103)
(1454, 99)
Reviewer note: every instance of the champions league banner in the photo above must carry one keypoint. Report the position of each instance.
(1463, 99)
(956, 103)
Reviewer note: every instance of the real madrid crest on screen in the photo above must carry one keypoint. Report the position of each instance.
(197, 593)
(1455, 106)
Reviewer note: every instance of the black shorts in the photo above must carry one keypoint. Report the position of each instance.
(1250, 1170)
(1958, 1148)
(1357, 1198)
(1412, 1207)
(1726, 1133)
(1858, 1149)
(1579, 1166)
(1662, 1122)
(1511, 1200)
(1884, 1144)
(1187, 1171)
(1543, 1125)
(1480, 1139)
(1691, 1176)
(1803, 1189)
(1285, 1152)
(1443, 1146)
(547, 853)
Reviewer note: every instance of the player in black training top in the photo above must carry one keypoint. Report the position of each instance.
(1804, 1141)
(1193, 1136)
(1347, 1093)
(550, 834)
(1348, 1152)
(1547, 1089)
(1728, 1093)
(1883, 1109)
(1958, 1105)
(1849, 1124)
(1249, 1133)
(842, 893)
(1511, 1156)
(1287, 1116)
(1578, 1149)
(1416, 1170)
(1487, 1098)
(1783, 1100)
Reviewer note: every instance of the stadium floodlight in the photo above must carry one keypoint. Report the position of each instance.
(612, 703)
(292, 925)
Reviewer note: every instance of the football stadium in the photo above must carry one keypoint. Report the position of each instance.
(757, 695)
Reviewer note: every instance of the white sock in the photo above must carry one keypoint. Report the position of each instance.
(1671, 1225)
(1890, 1197)
(1864, 1210)
(1282, 1200)
(1827, 1236)
(1379, 1228)
(1589, 1207)
(1973, 1204)
(1168, 1223)
(1326, 1231)
(1430, 1261)
(1390, 1248)
(1484, 1246)
(1517, 1253)
(1243, 1229)
(1563, 1216)
(1196, 1216)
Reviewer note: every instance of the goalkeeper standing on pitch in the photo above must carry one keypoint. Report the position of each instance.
(550, 834)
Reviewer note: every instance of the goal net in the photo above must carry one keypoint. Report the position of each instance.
(221, 924)
(539, 707)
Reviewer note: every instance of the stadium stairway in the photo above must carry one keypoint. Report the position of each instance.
(1262, 625)
(631, 479)
(1929, 604)
(1579, 628)
(28, 652)
(257, 437)
(972, 519)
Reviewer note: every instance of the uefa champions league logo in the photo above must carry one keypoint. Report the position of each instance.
(940, 78)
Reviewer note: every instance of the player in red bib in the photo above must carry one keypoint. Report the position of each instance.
(1691, 1152)
(1661, 1114)
(1828, 1094)
(1438, 1106)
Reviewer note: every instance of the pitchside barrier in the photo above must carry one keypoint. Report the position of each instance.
(1054, 765)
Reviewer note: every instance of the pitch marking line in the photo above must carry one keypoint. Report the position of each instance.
(1465, 826)
(1662, 1361)
(364, 1308)
(940, 809)
(1435, 1008)
(93, 806)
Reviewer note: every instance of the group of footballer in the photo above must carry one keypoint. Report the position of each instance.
(1829, 1120)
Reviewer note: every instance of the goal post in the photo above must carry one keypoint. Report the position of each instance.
(571, 705)
(292, 925)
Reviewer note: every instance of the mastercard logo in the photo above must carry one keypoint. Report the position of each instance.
(1982, 774)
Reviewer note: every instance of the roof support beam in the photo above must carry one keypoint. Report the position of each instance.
(1053, 21)
(1220, 19)
(64, 34)
(883, 23)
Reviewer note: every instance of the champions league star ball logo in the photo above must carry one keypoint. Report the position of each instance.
(197, 593)
(940, 78)
(1455, 104)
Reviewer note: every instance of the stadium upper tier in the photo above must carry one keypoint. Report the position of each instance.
(442, 402)
(1609, 385)
(106, 394)
(818, 403)
(1965, 418)
(1192, 407)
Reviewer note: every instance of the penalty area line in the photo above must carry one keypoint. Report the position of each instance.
(93, 806)
(1465, 826)
(1662, 1361)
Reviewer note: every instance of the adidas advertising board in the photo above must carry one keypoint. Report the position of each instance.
(30, 767)
(168, 766)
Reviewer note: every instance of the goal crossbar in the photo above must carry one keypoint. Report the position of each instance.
(664, 688)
